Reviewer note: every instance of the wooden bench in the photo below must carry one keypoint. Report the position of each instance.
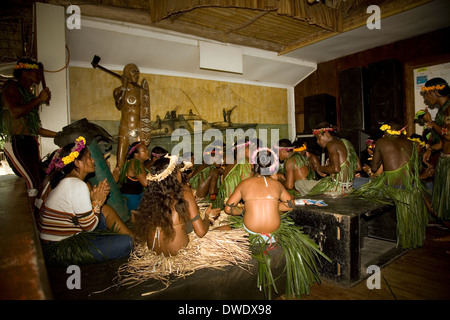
(22, 267)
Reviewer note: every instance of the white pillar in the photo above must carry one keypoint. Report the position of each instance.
(291, 114)
(50, 39)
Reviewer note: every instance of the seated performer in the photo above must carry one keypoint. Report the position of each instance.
(399, 182)
(296, 165)
(157, 152)
(133, 176)
(205, 179)
(261, 195)
(264, 198)
(235, 172)
(166, 209)
(311, 153)
(73, 220)
(341, 167)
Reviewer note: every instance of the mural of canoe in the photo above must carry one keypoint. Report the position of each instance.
(169, 131)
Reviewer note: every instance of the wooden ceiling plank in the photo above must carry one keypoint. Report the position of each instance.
(217, 35)
(248, 22)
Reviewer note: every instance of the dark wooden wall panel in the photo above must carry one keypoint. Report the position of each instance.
(429, 49)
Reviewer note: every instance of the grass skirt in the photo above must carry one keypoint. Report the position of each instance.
(215, 250)
(300, 254)
(411, 211)
(441, 188)
(75, 249)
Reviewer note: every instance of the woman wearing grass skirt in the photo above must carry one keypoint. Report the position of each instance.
(264, 198)
(206, 177)
(236, 172)
(400, 183)
(133, 176)
(74, 224)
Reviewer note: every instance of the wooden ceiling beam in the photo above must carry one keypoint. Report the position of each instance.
(248, 22)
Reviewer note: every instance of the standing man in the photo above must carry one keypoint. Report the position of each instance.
(399, 182)
(132, 100)
(20, 123)
(437, 91)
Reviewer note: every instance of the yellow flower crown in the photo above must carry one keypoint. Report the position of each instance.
(420, 142)
(300, 149)
(387, 128)
(437, 87)
(22, 65)
(80, 143)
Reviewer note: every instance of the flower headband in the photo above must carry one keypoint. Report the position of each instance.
(420, 142)
(56, 162)
(80, 144)
(241, 145)
(158, 155)
(370, 143)
(302, 148)
(22, 65)
(322, 130)
(134, 148)
(216, 149)
(387, 128)
(161, 176)
(437, 87)
(284, 148)
(274, 167)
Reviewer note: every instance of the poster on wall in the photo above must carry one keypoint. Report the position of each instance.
(421, 76)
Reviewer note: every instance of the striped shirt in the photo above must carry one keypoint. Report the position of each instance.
(67, 211)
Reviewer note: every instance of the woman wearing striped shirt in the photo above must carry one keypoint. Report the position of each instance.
(74, 224)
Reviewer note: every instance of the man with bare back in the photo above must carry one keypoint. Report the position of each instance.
(296, 166)
(399, 182)
(340, 169)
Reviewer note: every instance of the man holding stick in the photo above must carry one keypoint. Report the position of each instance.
(20, 123)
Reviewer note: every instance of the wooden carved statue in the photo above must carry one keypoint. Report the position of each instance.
(133, 101)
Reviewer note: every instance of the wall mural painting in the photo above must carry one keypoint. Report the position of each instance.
(181, 103)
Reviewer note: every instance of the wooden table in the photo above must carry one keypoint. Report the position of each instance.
(354, 233)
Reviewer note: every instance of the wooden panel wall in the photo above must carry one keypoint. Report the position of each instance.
(429, 49)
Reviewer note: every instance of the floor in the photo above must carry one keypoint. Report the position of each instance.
(420, 274)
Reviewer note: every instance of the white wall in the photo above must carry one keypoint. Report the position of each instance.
(51, 51)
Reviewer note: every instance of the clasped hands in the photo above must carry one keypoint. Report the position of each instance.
(100, 192)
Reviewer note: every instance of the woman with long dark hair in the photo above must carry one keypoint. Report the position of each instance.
(75, 225)
(167, 210)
